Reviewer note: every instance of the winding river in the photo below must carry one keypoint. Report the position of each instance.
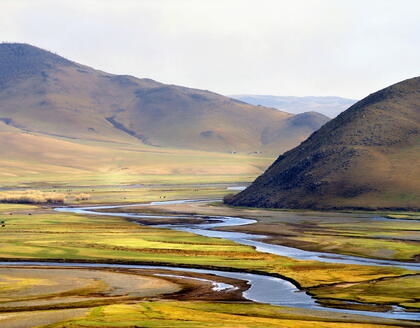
(205, 229)
(262, 288)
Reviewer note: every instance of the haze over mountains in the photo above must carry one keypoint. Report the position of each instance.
(329, 106)
(48, 94)
(366, 158)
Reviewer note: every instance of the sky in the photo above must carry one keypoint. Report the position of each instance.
(346, 48)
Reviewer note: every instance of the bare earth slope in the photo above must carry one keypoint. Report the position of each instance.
(41, 92)
(367, 157)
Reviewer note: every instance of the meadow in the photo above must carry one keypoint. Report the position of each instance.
(36, 232)
(351, 233)
(74, 297)
(33, 160)
(31, 233)
(217, 315)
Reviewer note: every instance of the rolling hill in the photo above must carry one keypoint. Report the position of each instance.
(43, 93)
(329, 106)
(366, 158)
(65, 122)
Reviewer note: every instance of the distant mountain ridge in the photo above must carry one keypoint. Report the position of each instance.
(47, 94)
(366, 158)
(329, 106)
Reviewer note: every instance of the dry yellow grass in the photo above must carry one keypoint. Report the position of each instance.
(32, 197)
(30, 158)
(218, 315)
(82, 196)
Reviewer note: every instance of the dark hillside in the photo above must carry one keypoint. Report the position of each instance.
(18, 61)
(367, 157)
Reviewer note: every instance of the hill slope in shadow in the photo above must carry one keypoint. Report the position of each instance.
(366, 158)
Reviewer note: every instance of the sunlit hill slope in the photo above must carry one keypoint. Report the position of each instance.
(59, 116)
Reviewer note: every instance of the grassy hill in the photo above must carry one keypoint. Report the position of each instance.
(60, 120)
(366, 158)
(47, 94)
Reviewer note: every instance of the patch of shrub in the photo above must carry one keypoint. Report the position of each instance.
(82, 197)
(31, 197)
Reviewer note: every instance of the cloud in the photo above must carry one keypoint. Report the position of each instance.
(300, 47)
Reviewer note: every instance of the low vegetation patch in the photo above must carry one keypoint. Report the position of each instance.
(394, 290)
(82, 196)
(216, 315)
(32, 197)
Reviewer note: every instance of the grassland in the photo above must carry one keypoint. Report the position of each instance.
(350, 233)
(127, 194)
(122, 195)
(38, 233)
(404, 216)
(40, 288)
(217, 315)
(402, 290)
(74, 297)
(106, 239)
(30, 159)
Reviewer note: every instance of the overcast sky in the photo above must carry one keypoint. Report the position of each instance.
(346, 48)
